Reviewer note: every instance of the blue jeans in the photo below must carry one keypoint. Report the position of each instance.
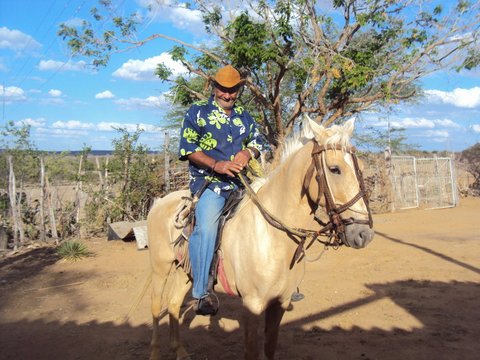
(202, 240)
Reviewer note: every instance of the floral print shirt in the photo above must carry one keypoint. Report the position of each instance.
(206, 127)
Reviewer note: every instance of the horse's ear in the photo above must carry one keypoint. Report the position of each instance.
(311, 129)
(349, 126)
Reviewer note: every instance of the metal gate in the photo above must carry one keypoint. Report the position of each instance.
(424, 182)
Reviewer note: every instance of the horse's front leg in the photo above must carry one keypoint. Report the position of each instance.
(273, 317)
(252, 340)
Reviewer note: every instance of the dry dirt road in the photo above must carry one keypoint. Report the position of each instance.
(414, 293)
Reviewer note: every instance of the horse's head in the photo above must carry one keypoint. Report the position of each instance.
(334, 184)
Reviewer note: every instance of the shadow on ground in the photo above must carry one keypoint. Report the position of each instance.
(448, 313)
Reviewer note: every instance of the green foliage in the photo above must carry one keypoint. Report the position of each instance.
(212, 19)
(471, 159)
(300, 57)
(133, 183)
(73, 251)
(249, 45)
(15, 141)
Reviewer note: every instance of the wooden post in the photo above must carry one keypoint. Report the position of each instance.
(43, 231)
(78, 188)
(167, 162)
(51, 212)
(390, 191)
(106, 169)
(15, 207)
(99, 171)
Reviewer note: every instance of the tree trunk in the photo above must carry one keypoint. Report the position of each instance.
(167, 162)
(3, 238)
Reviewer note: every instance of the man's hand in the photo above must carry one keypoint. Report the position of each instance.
(242, 158)
(229, 168)
(233, 167)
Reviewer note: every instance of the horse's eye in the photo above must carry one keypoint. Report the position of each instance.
(335, 170)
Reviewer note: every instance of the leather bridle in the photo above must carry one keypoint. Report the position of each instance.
(334, 229)
(336, 222)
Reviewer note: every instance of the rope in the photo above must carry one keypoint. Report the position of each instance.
(272, 219)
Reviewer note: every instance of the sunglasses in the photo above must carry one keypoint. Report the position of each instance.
(227, 90)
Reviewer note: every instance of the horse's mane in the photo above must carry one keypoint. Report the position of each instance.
(308, 130)
(299, 136)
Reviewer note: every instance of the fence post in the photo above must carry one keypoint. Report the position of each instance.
(389, 183)
(15, 206)
(51, 212)
(42, 200)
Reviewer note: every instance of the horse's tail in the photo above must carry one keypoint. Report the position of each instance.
(140, 296)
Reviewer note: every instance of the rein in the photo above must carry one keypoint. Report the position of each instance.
(334, 230)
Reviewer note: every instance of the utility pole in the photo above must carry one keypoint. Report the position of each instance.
(3, 111)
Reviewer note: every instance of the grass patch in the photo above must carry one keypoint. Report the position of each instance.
(73, 251)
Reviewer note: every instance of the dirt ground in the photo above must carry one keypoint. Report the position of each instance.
(412, 294)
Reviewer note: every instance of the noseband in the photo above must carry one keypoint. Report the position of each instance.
(336, 223)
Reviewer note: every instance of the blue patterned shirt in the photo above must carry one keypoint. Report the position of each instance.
(206, 127)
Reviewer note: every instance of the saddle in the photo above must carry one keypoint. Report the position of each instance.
(185, 220)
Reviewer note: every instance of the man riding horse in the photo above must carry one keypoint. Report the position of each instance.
(218, 138)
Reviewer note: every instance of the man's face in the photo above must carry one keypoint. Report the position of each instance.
(225, 97)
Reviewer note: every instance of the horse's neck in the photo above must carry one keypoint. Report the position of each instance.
(282, 193)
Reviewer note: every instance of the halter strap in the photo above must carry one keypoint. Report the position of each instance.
(334, 212)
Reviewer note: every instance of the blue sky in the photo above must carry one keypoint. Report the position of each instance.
(69, 105)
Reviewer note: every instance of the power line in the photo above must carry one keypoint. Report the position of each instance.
(54, 39)
(32, 36)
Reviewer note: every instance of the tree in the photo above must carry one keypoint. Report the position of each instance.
(132, 184)
(19, 153)
(471, 158)
(300, 56)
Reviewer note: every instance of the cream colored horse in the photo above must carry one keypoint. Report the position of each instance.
(258, 256)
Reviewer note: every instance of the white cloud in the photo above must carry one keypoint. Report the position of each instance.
(464, 98)
(431, 135)
(72, 125)
(140, 70)
(438, 134)
(62, 133)
(34, 123)
(17, 41)
(52, 101)
(74, 22)
(55, 93)
(179, 15)
(476, 128)
(75, 125)
(149, 102)
(12, 94)
(413, 123)
(446, 123)
(109, 126)
(107, 94)
(52, 65)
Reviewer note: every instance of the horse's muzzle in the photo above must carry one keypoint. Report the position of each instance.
(358, 236)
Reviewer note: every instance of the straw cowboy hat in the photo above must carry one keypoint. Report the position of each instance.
(228, 77)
